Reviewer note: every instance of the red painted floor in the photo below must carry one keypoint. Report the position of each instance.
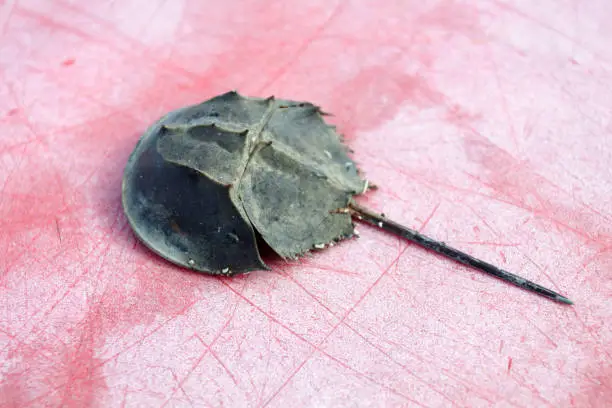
(486, 124)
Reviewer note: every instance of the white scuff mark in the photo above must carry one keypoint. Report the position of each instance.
(365, 186)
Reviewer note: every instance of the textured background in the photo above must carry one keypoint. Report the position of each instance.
(487, 124)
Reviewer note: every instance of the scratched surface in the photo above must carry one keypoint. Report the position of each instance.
(486, 124)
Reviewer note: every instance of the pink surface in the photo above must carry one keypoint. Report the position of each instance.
(486, 125)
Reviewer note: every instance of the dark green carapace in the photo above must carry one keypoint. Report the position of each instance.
(204, 179)
(207, 184)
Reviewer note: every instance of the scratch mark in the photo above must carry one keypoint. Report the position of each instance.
(314, 346)
(51, 23)
(370, 343)
(380, 349)
(597, 254)
(309, 293)
(39, 325)
(317, 347)
(132, 44)
(187, 375)
(36, 328)
(181, 387)
(559, 222)
(7, 333)
(305, 45)
(208, 350)
(323, 267)
(261, 390)
(125, 394)
(488, 243)
(430, 217)
(149, 334)
(413, 374)
(503, 97)
(541, 269)
(57, 229)
(509, 364)
(546, 26)
(25, 119)
(158, 6)
(232, 376)
(342, 321)
(116, 46)
(5, 15)
(591, 333)
(25, 249)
